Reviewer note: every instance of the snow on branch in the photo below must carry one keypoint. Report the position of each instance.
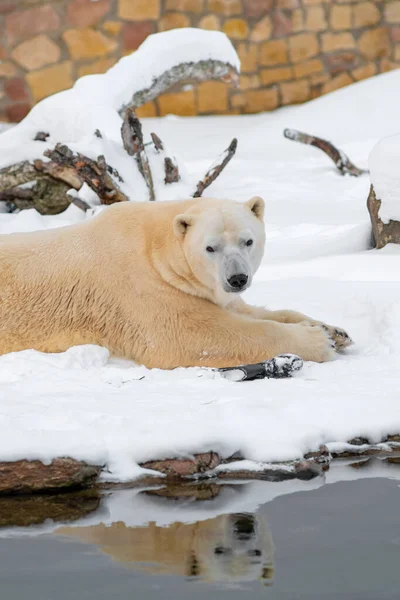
(341, 160)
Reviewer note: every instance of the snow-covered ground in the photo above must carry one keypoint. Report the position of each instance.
(318, 260)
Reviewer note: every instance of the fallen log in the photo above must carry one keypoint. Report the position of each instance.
(341, 160)
(216, 168)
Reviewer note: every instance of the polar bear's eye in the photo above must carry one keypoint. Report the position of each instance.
(249, 243)
(210, 249)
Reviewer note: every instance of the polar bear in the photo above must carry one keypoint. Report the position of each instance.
(158, 283)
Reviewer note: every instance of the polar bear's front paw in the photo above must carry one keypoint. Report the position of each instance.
(315, 341)
(339, 336)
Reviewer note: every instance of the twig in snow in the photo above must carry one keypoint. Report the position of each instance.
(170, 167)
(341, 160)
(41, 136)
(132, 137)
(217, 167)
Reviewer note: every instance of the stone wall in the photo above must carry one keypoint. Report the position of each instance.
(291, 50)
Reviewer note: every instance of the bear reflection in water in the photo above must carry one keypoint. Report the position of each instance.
(228, 548)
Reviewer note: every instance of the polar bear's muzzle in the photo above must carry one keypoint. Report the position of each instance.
(236, 275)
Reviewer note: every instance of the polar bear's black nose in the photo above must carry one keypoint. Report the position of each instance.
(238, 281)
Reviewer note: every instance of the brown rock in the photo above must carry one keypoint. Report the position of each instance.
(180, 103)
(146, 110)
(312, 2)
(194, 6)
(248, 54)
(262, 30)
(316, 19)
(308, 67)
(340, 17)
(282, 24)
(287, 3)
(261, 100)
(81, 13)
(26, 477)
(337, 41)
(25, 511)
(23, 24)
(112, 27)
(6, 7)
(342, 61)
(139, 10)
(374, 43)
(366, 14)
(50, 80)
(173, 21)
(295, 92)
(274, 53)
(364, 72)
(392, 12)
(15, 89)
(179, 467)
(228, 8)
(236, 29)
(88, 43)
(395, 34)
(3, 52)
(134, 34)
(17, 112)
(36, 53)
(269, 76)
(337, 82)
(302, 46)
(210, 22)
(212, 97)
(98, 66)
(257, 8)
(7, 69)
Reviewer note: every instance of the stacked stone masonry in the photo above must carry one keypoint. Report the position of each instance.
(291, 50)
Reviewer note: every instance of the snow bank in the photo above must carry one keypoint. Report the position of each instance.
(317, 260)
(385, 176)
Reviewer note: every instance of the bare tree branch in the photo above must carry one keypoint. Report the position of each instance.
(132, 137)
(215, 170)
(341, 160)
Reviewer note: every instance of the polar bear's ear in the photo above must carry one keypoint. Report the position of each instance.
(257, 206)
(182, 224)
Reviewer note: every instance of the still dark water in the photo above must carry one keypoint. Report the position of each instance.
(338, 539)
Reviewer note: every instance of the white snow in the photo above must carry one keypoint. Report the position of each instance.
(318, 260)
(385, 177)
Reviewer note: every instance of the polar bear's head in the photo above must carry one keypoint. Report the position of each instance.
(223, 242)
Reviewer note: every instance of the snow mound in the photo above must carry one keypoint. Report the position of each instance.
(384, 168)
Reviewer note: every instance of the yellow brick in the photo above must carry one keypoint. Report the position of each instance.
(298, 20)
(319, 78)
(88, 43)
(392, 12)
(236, 29)
(98, 66)
(238, 100)
(274, 53)
(397, 52)
(212, 97)
(269, 76)
(181, 103)
(312, 2)
(307, 68)
(340, 17)
(147, 110)
(195, 6)
(295, 92)
(210, 22)
(374, 43)
(302, 46)
(364, 72)
(225, 7)
(315, 19)
(36, 53)
(139, 10)
(248, 54)
(173, 21)
(261, 100)
(337, 82)
(337, 41)
(112, 27)
(50, 80)
(261, 30)
(249, 82)
(365, 14)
